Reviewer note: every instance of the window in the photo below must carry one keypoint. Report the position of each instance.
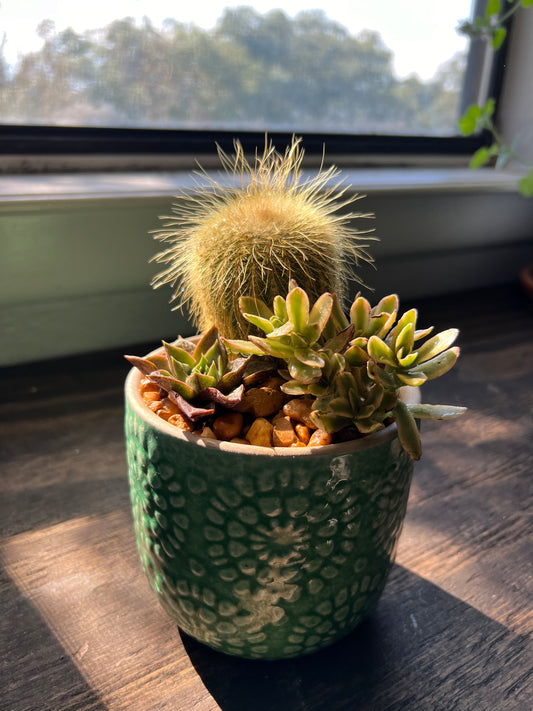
(158, 76)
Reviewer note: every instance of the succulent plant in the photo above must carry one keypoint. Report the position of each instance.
(352, 400)
(354, 369)
(297, 334)
(251, 239)
(196, 376)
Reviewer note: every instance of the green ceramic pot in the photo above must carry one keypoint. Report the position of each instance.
(263, 553)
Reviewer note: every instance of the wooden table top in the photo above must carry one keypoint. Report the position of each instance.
(80, 628)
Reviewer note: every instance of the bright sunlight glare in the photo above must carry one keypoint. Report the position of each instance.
(421, 34)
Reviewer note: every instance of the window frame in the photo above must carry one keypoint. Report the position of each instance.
(25, 141)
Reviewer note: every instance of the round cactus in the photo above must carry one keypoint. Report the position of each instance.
(252, 238)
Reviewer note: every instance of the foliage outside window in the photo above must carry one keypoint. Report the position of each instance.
(252, 71)
(480, 117)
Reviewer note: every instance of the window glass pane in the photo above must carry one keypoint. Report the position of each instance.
(352, 66)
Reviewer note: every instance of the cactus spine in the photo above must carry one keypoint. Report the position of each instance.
(252, 238)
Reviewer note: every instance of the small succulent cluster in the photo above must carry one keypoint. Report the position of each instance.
(354, 368)
(351, 369)
(196, 377)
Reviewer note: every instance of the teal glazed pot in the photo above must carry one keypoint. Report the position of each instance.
(263, 553)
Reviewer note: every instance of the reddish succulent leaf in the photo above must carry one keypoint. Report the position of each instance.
(214, 396)
(143, 364)
(193, 412)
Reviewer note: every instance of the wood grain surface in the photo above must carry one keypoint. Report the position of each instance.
(81, 630)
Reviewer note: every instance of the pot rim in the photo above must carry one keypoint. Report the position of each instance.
(133, 395)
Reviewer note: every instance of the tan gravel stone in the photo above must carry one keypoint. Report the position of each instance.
(299, 409)
(260, 433)
(319, 438)
(283, 434)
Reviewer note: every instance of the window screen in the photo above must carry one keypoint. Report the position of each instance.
(350, 67)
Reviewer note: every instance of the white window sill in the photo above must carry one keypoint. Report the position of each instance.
(146, 185)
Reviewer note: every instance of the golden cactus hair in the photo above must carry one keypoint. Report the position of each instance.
(251, 238)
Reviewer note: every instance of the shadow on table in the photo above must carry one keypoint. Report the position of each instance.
(36, 673)
(422, 650)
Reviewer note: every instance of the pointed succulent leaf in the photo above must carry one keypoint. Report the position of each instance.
(199, 381)
(317, 389)
(440, 342)
(346, 383)
(160, 362)
(178, 369)
(213, 395)
(341, 406)
(185, 344)
(242, 347)
(258, 370)
(298, 308)
(360, 315)
(377, 373)
(389, 401)
(284, 330)
(340, 341)
(435, 412)
(387, 305)
(257, 307)
(369, 425)
(264, 324)
(234, 377)
(328, 420)
(375, 395)
(335, 364)
(193, 412)
(303, 373)
(409, 317)
(405, 339)
(214, 354)
(311, 333)
(356, 356)
(439, 365)
(280, 308)
(273, 348)
(383, 316)
(293, 284)
(201, 365)
(214, 370)
(337, 320)
(379, 351)
(321, 310)
(179, 354)
(296, 340)
(408, 431)
(308, 356)
(422, 333)
(380, 325)
(145, 365)
(361, 341)
(169, 383)
(410, 378)
(366, 412)
(372, 423)
(406, 361)
(204, 344)
(293, 387)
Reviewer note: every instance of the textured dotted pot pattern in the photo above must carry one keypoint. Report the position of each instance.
(263, 553)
